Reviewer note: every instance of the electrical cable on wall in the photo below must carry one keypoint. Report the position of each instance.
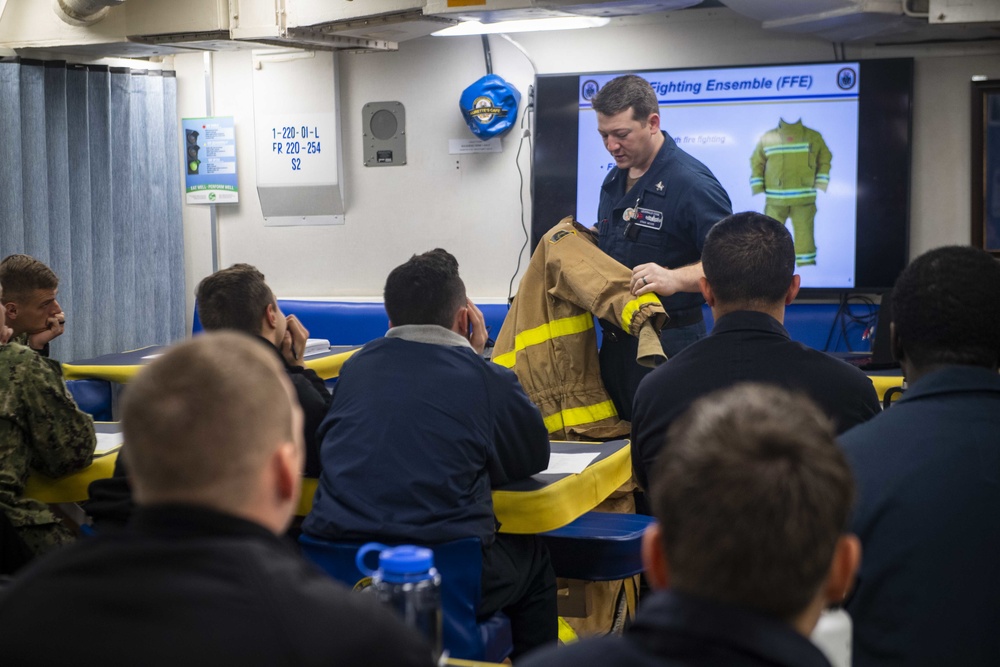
(525, 134)
(489, 107)
(529, 110)
(844, 317)
(487, 55)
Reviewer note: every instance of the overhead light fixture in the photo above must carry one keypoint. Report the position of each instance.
(524, 25)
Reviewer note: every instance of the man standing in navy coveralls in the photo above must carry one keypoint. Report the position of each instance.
(928, 471)
(655, 209)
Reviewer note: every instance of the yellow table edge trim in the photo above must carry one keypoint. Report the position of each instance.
(542, 510)
(306, 495)
(326, 367)
(73, 487)
(883, 383)
(329, 367)
(550, 508)
(121, 374)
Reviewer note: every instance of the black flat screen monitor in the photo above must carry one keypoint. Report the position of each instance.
(861, 109)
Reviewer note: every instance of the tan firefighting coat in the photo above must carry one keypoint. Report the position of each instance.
(549, 340)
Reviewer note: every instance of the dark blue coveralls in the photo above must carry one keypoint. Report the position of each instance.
(675, 203)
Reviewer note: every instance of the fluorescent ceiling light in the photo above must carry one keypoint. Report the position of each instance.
(524, 25)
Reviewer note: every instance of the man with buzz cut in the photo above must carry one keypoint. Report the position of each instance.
(749, 262)
(41, 427)
(928, 471)
(421, 429)
(749, 545)
(29, 302)
(656, 205)
(202, 575)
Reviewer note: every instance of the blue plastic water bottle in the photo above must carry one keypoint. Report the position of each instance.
(407, 582)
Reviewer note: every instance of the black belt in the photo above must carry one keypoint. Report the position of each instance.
(684, 318)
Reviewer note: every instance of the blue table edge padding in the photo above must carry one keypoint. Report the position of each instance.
(598, 546)
(357, 322)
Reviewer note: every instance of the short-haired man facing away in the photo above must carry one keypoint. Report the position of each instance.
(749, 262)
(749, 544)
(201, 575)
(29, 301)
(236, 299)
(41, 429)
(928, 472)
(419, 431)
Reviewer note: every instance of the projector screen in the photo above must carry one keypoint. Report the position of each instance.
(836, 132)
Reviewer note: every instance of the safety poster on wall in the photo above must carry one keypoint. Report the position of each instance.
(210, 160)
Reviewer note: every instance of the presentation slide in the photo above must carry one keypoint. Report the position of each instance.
(788, 133)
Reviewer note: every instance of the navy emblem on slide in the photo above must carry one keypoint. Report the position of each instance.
(846, 78)
(589, 89)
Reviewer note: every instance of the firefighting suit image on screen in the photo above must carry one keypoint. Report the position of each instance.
(789, 164)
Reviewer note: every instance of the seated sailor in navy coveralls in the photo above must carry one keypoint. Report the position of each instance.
(420, 430)
(748, 547)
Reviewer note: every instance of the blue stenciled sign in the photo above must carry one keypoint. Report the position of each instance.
(294, 142)
(210, 160)
(296, 149)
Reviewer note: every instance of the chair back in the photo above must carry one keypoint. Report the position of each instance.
(460, 565)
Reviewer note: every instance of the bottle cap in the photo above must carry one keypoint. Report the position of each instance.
(406, 563)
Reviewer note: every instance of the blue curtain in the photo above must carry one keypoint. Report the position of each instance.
(90, 185)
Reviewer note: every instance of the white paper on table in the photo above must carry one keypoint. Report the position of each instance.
(316, 346)
(569, 464)
(108, 442)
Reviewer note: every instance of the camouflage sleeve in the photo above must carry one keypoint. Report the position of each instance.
(59, 434)
(22, 339)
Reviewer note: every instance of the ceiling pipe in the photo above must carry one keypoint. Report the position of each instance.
(84, 12)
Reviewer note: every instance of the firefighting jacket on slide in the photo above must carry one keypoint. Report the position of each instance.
(789, 164)
(548, 337)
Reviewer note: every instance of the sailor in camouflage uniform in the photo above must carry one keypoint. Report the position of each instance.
(29, 301)
(41, 429)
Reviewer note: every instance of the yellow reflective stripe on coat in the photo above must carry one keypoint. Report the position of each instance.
(633, 306)
(587, 414)
(561, 327)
